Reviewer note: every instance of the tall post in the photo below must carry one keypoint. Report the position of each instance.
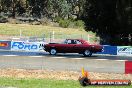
(50, 37)
(20, 32)
(88, 38)
(53, 36)
(81, 36)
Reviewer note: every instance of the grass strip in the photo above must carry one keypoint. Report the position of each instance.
(47, 83)
(43, 31)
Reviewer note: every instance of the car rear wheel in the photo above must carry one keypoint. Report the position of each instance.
(53, 52)
(87, 53)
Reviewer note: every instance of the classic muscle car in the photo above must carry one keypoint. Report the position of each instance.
(73, 46)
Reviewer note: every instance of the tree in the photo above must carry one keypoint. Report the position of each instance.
(108, 18)
(5, 5)
(20, 7)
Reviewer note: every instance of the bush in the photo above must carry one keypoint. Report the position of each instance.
(71, 23)
(64, 23)
(57, 19)
(79, 24)
(3, 20)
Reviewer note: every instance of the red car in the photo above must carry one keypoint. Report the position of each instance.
(73, 46)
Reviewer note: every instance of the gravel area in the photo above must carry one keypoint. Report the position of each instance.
(59, 75)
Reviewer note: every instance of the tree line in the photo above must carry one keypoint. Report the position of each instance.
(43, 8)
(110, 19)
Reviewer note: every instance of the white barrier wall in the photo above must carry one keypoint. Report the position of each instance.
(124, 50)
(27, 46)
(38, 46)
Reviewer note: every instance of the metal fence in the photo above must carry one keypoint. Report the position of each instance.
(47, 37)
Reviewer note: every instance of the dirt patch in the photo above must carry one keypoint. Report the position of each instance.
(59, 75)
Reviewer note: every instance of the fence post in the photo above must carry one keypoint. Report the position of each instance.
(88, 38)
(50, 37)
(20, 32)
(81, 36)
(43, 37)
(53, 37)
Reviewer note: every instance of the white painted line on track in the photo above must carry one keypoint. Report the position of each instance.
(121, 60)
(77, 58)
(101, 59)
(65, 57)
(35, 56)
(70, 58)
(58, 57)
(10, 55)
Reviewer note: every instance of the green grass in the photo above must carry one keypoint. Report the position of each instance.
(46, 83)
(40, 31)
(14, 29)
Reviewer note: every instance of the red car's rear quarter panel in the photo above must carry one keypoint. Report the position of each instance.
(97, 48)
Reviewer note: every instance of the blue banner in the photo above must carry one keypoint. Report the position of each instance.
(5, 45)
(27, 46)
(109, 50)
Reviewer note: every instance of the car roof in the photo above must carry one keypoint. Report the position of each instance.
(81, 40)
(75, 39)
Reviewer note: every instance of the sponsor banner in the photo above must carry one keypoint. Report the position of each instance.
(5, 45)
(128, 67)
(109, 50)
(27, 46)
(124, 50)
(116, 82)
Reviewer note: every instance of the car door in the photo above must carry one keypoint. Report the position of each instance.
(78, 47)
(66, 47)
(69, 46)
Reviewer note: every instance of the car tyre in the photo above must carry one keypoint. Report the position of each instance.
(53, 51)
(87, 53)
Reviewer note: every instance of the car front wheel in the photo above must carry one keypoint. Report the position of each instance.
(87, 53)
(53, 52)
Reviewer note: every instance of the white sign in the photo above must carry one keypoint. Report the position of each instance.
(124, 50)
(27, 46)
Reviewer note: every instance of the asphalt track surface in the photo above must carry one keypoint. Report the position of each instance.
(66, 62)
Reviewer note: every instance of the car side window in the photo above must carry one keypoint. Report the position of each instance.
(71, 42)
(65, 42)
(78, 42)
(68, 41)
